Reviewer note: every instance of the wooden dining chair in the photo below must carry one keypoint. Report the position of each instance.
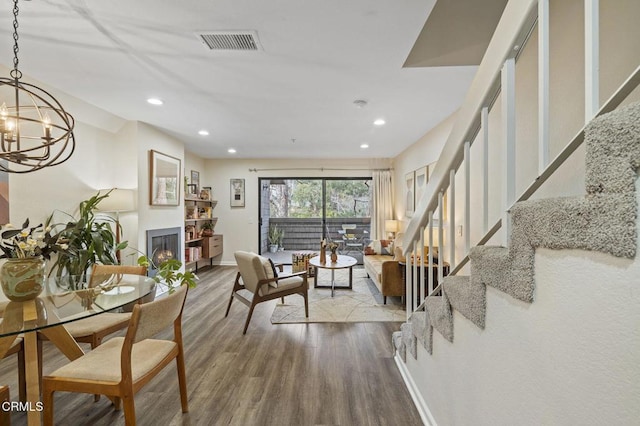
(95, 328)
(256, 274)
(139, 357)
(17, 348)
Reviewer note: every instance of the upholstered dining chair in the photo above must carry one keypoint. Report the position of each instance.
(95, 328)
(121, 366)
(257, 282)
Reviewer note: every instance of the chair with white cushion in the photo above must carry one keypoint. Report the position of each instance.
(95, 328)
(120, 367)
(257, 282)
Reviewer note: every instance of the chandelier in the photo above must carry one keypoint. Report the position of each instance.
(35, 131)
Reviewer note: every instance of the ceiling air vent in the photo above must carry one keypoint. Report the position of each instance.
(231, 40)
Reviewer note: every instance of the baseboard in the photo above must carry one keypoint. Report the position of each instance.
(421, 405)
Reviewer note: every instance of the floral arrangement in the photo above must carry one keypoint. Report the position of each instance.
(28, 242)
(333, 247)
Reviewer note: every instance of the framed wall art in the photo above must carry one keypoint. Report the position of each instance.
(409, 180)
(237, 192)
(422, 178)
(164, 179)
(195, 180)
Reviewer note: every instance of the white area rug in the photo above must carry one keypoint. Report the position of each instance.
(357, 305)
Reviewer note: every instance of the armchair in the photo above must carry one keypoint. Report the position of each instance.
(256, 275)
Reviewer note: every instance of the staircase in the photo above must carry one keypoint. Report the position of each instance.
(603, 220)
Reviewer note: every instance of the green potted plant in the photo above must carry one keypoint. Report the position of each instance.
(169, 274)
(88, 239)
(207, 229)
(274, 238)
(281, 239)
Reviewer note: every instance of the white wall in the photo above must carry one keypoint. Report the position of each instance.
(239, 225)
(154, 217)
(424, 151)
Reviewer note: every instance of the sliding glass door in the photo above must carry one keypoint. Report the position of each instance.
(296, 213)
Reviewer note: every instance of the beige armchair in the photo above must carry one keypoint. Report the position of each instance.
(255, 274)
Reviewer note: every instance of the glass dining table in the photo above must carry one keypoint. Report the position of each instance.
(62, 301)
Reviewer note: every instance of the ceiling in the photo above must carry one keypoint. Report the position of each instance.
(292, 99)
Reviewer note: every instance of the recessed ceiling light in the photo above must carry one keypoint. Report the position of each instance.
(203, 132)
(364, 146)
(155, 101)
(231, 151)
(379, 122)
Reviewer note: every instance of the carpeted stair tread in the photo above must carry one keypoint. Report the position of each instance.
(422, 329)
(409, 340)
(398, 344)
(497, 267)
(439, 311)
(467, 297)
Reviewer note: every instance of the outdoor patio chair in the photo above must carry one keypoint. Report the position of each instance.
(352, 240)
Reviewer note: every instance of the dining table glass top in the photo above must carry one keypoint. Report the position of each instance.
(71, 298)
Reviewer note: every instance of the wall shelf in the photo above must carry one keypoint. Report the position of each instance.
(198, 248)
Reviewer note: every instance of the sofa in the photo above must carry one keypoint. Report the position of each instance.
(386, 274)
(381, 262)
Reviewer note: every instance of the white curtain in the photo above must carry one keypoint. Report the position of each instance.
(382, 203)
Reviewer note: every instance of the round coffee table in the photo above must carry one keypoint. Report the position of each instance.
(342, 263)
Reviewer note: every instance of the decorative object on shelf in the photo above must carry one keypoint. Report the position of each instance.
(207, 229)
(192, 189)
(237, 192)
(164, 182)
(35, 132)
(195, 180)
(22, 275)
(205, 193)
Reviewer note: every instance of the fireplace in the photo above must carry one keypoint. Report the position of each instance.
(162, 244)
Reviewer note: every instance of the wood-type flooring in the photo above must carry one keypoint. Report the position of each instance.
(288, 374)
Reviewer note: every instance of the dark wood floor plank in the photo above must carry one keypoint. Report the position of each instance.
(287, 374)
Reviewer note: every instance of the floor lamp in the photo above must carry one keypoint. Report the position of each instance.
(119, 200)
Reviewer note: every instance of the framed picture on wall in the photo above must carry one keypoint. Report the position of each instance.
(422, 177)
(195, 180)
(164, 181)
(409, 180)
(237, 192)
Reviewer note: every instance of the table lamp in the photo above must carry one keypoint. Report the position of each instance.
(391, 226)
(119, 200)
